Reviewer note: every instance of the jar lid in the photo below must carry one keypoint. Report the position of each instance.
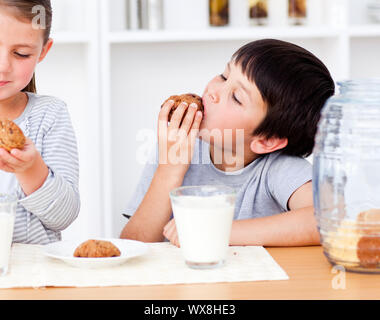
(368, 86)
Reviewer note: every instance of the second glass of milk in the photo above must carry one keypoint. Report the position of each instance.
(203, 217)
(8, 206)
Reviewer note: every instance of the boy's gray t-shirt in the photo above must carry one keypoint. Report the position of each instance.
(263, 187)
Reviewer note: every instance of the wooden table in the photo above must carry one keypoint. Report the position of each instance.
(311, 277)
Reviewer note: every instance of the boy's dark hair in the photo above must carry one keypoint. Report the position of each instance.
(294, 84)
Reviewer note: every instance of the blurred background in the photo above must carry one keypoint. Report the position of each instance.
(115, 61)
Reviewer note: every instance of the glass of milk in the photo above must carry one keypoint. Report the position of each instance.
(203, 217)
(8, 204)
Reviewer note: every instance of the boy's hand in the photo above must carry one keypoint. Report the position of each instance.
(176, 140)
(18, 161)
(170, 233)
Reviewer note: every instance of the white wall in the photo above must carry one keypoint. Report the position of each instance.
(365, 53)
(64, 74)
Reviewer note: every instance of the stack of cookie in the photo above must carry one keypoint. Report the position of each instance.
(355, 244)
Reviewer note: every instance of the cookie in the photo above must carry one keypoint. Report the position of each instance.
(341, 244)
(11, 136)
(96, 249)
(369, 251)
(369, 222)
(189, 98)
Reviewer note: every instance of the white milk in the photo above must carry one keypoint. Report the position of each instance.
(6, 234)
(204, 227)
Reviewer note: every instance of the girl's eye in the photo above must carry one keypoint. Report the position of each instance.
(223, 77)
(234, 97)
(22, 55)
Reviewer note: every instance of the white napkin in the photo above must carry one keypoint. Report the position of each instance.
(162, 265)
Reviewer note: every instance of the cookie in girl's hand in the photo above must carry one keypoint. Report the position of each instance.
(11, 136)
(189, 98)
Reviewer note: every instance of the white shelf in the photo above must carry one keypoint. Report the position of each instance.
(222, 33)
(71, 37)
(367, 30)
(219, 34)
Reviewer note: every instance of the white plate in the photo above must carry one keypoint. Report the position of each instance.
(64, 250)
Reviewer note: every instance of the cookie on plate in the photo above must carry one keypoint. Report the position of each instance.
(96, 249)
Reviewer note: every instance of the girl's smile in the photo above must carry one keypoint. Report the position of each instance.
(3, 83)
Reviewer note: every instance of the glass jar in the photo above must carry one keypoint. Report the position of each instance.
(346, 176)
(150, 14)
(219, 12)
(258, 12)
(297, 12)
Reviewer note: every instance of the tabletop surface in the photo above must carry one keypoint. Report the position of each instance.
(311, 276)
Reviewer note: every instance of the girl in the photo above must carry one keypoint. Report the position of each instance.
(45, 173)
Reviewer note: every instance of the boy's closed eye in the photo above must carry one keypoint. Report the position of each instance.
(233, 95)
(237, 101)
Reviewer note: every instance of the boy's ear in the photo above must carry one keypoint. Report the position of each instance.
(261, 145)
(45, 50)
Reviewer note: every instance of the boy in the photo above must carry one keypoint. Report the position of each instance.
(260, 119)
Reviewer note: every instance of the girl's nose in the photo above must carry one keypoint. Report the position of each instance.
(5, 64)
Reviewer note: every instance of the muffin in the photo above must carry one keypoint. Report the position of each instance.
(189, 98)
(11, 136)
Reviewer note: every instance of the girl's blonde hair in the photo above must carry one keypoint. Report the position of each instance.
(24, 10)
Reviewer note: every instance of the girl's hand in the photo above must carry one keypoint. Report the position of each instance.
(170, 233)
(27, 165)
(18, 161)
(176, 141)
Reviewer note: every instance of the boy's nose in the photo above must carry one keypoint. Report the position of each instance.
(214, 97)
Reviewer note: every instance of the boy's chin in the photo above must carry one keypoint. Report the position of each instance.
(210, 135)
(210, 140)
(205, 127)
